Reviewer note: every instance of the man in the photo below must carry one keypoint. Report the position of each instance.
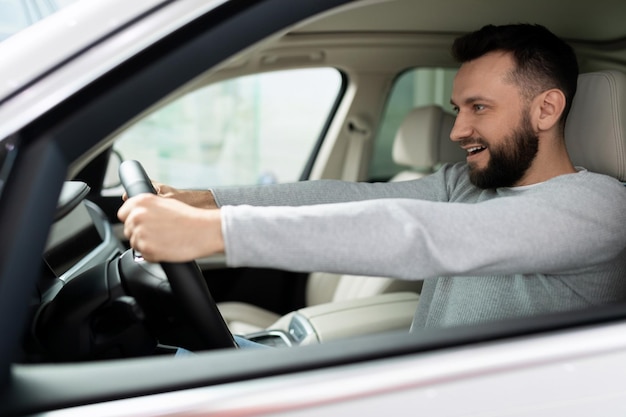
(512, 232)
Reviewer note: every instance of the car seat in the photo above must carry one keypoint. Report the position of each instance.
(595, 132)
(421, 144)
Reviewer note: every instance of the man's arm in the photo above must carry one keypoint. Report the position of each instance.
(172, 229)
(550, 229)
(306, 193)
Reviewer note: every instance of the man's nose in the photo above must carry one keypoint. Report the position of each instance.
(461, 128)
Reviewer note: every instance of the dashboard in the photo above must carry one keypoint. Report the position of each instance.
(73, 237)
(87, 306)
(80, 238)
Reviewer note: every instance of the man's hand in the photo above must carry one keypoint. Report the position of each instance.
(195, 198)
(166, 229)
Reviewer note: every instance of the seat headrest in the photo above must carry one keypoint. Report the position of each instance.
(423, 139)
(595, 131)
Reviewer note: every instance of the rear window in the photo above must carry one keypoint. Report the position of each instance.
(414, 88)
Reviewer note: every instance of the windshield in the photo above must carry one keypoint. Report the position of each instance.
(16, 15)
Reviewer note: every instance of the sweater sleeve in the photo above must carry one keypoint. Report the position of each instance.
(550, 229)
(433, 187)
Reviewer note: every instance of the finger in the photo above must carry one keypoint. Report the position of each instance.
(127, 207)
(128, 231)
(123, 211)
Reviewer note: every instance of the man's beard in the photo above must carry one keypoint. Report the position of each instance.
(508, 161)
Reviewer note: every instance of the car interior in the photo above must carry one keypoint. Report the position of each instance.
(283, 308)
(421, 144)
(88, 307)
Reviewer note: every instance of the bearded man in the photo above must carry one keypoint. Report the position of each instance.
(511, 232)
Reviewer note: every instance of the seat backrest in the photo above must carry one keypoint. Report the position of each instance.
(422, 143)
(595, 132)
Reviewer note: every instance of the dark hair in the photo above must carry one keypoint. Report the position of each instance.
(543, 61)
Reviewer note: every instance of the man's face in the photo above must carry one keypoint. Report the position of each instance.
(509, 160)
(493, 122)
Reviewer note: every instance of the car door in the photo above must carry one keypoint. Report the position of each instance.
(36, 161)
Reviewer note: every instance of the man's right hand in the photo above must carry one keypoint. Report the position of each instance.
(167, 230)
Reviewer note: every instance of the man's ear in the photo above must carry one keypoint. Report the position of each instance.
(549, 108)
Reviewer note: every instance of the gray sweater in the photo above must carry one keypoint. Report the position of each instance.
(484, 254)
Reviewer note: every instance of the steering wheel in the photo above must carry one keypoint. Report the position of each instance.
(186, 280)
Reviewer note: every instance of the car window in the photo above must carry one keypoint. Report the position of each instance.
(255, 129)
(12, 18)
(16, 15)
(414, 88)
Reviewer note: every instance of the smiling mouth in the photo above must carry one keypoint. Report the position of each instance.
(475, 150)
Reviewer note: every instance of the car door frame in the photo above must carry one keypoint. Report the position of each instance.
(47, 145)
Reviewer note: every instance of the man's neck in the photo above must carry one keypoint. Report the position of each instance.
(550, 162)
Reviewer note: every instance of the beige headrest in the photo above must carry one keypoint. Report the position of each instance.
(423, 140)
(595, 131)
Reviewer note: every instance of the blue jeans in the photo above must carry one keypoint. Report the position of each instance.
(247, 344)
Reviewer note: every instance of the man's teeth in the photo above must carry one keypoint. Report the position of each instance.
(475, 149)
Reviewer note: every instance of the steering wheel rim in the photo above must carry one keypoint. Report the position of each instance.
(186, 280)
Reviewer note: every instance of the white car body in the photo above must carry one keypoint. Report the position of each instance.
(569, 370)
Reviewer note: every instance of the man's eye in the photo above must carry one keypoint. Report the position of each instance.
(479, 107)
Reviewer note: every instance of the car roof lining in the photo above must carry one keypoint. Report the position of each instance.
(404, 37)
(597, 21)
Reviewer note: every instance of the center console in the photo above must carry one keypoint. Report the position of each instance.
(338, 320)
